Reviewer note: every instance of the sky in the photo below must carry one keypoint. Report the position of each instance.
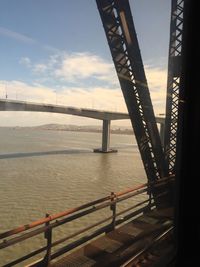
(56, 52)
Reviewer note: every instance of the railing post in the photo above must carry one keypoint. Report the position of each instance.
(113, 208)
(149, 192)
(48, 236)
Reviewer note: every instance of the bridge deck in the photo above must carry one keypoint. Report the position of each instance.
(116, 247)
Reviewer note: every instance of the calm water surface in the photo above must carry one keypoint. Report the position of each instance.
(51, 171)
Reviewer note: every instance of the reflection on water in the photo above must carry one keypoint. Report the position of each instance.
(51, 171)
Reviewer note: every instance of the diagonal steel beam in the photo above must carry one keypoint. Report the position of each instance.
(121, 36)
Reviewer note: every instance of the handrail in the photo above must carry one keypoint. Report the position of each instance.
(45, 225)
(57, 223)
(49, 218)
(73, 210)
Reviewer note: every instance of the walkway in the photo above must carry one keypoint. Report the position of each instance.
(118, 246)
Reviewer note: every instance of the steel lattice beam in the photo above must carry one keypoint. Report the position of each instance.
(173, 83)
(121, 36)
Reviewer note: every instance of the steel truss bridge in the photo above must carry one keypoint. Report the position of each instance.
(159, 163)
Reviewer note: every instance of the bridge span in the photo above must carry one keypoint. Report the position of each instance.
(105, 116)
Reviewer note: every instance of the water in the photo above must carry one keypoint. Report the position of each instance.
(51, 171)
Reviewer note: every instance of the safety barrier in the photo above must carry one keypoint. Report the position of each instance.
(46, 225)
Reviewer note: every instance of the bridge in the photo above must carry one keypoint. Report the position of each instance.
(105, 116)
(171, 172)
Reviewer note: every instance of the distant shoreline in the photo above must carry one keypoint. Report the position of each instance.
(74, 128)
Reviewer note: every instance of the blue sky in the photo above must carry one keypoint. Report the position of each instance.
(55, 51)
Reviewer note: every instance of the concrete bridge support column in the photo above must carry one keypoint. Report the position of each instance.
(105, 139)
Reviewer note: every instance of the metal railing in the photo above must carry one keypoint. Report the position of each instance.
(47, 224)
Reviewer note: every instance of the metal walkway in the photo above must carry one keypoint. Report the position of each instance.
(118, 246)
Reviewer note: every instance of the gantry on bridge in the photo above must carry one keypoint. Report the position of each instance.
(141, 234)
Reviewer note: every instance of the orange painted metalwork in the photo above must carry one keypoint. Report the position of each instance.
(73, 210)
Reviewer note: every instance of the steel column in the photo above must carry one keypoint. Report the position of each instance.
(173, 83)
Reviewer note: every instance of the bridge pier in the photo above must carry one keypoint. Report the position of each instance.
(105, 139)
(106, 117)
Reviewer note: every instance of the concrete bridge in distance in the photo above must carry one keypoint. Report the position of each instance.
(105, 116)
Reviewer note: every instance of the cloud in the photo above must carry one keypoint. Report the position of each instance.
(44, 70)
(17, 36)
(40, 68)
(156, 78)
(97, 97)
(35, 68)
(157, 82)
(74, 68)
(94, 97)
(25, 61)
(86, 67)
(83, 65)
(27, 40)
